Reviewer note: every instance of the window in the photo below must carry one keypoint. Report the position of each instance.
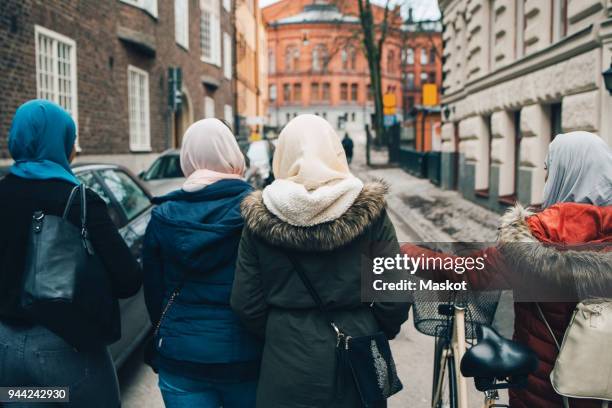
(132, 199)
(432, 78)
(344, 58)
(272, 93)
(271, 62)
(210, 32)
(228, 114)
(320, 58)
(56, 69)
(209, 107)
(410, 80)
(138, 103)
(432, 55)
(556, 127)
(89, 179)
(167, 166)
(227, 56)
(424, 77)
(314, 91)
(559, 19)
(423, 56)
(326, 91)
(150, 6)
(227, 5)
(354, 92)
(286, 92)
(410, 56)
(353, 58)
(292, 58)
(390, 62)
(344, 91)
(181, 22)
(297, 92)
(349, 58)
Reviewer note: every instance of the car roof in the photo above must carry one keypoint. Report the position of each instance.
(81, 167)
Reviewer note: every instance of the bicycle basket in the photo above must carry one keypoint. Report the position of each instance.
(480, 309)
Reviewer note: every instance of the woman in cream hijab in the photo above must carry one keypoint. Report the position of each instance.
(204, 355)
(327, 221)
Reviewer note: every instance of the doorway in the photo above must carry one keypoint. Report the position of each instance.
(182, 119)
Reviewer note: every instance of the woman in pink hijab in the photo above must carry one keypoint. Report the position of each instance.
(204, 356)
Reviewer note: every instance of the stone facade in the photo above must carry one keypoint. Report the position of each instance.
(108, 37)
(516, 73)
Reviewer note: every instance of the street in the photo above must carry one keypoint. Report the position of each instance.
(413, 351)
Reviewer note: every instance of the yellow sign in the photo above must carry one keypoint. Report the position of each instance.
(430, 94)
(389, 104)
(254, 137)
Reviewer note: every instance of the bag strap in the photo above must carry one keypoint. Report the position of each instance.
(552, 334)
(83, 198)
(313, 293)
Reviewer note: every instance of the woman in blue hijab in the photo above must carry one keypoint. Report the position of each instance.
(41, 141)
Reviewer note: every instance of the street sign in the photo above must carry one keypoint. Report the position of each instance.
(389, 104)
(175, 79)
(430, 94)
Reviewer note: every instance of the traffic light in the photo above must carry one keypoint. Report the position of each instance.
(175, 79)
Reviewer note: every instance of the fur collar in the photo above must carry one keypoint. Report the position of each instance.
(368, 206)
(587, 269)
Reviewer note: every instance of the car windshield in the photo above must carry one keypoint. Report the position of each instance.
(167, 166)
(130, 196)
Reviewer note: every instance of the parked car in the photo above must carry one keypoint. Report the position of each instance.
(129, 207)
(165, 174)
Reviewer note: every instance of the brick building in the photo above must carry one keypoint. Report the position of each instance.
(517, 74)
(316, 65)
(107, 63)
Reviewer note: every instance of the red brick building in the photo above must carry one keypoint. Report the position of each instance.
(316, 63)
(107, 63)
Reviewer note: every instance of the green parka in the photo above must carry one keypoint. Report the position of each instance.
(299, 362)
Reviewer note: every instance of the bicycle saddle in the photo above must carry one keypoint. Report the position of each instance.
(497, 358)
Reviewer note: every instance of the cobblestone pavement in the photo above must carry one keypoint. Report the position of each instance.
(420, 212)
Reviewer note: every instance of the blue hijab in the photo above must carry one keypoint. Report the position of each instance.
(40, 141)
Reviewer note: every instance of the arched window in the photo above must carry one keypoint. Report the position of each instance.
(390, 62)
(292, 58)
(320, 58)
(344, 58)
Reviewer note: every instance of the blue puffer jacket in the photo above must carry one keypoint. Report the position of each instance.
(196, 235)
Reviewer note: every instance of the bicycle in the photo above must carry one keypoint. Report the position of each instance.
(494, 362)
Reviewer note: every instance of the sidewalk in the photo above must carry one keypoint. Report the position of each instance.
(433, 214)
(423, 212)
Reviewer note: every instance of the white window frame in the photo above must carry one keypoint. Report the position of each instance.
(213, 9)
(424, 56)
(145, 144)
(150, 6)
(58, 38)
(228, 115)
(209, 107)
(227, 55)
(181, 31)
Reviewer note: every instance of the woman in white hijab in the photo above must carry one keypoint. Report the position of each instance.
(204, 355)
(317, 215)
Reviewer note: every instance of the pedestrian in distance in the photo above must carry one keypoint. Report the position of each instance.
(316, 218)
(42, 143)
(577, 210)
(204, 355)
(347, 144)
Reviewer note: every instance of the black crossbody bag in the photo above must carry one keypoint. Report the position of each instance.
(367, 359)
(66, 287)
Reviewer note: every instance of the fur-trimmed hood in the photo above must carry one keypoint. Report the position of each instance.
(586, 266)
(366, 208)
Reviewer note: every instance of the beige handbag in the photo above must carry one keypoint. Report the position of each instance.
(584, 365)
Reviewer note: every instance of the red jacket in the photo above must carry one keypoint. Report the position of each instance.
(566, 223)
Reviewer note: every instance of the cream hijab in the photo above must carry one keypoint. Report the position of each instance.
(313, 182)
(209, 153)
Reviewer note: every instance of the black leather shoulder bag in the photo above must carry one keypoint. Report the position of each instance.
(66, 287)
(367, 358)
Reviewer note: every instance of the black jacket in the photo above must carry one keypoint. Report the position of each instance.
(19, 198)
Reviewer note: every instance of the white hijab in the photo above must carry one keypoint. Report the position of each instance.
(313, 182)
(579, 170)
(209, 153)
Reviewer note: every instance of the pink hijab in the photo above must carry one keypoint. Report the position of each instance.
(209, 153)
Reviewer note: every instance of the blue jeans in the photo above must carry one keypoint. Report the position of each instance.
(184, 392)
(32, 355)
